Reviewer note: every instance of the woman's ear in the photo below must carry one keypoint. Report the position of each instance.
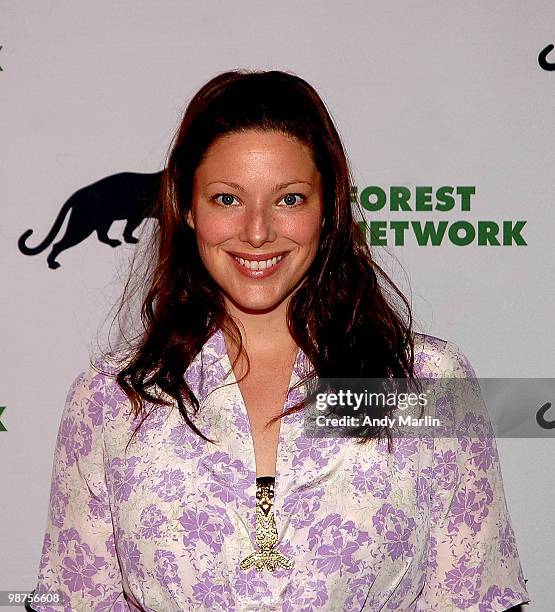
(190, 220)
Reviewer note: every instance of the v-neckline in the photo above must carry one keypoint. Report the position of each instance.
(293, 378)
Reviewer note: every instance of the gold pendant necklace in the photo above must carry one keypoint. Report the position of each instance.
(266, 531)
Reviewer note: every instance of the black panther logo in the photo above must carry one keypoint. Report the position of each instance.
(542, 58)
(127, 195)
(540, 417)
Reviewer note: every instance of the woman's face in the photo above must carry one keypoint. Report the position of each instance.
(257, 212)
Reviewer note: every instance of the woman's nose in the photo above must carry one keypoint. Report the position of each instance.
(258, 226)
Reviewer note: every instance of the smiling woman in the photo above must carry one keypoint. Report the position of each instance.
(259, 227)
(183, 476)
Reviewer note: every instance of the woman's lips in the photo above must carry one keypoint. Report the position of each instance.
(250, 273)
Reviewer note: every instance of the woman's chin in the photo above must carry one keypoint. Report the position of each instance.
(256, 305)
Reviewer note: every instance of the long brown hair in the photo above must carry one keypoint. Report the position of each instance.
(347, 316)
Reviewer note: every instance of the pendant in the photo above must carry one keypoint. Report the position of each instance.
(266, 532)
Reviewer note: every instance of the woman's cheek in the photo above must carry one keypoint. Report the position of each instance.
(304, 229)
(213, 231)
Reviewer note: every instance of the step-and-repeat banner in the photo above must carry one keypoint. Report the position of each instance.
(447, 113)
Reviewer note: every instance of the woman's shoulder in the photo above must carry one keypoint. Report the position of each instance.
(94, 395)
(109, 363)
(96, 377)
(438, 358)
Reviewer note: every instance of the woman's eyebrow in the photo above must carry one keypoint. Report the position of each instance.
(277, 187)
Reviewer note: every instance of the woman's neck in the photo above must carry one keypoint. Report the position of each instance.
(261, 333)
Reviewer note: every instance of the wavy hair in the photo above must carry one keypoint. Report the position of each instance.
(347, 315)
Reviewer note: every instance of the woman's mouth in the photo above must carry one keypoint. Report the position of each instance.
(256, 268)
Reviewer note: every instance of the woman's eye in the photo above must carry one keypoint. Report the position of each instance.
(290, 200)
(227, 199)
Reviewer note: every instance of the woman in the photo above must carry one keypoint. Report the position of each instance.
(183, 477)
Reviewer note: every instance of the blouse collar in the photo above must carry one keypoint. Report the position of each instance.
(211, 367)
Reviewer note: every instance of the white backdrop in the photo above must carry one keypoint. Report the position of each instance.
(436, 93)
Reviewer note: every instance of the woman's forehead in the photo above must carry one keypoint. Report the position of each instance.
(258, 155)
(256, 140)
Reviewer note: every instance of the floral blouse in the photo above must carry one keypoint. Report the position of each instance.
(166, 526)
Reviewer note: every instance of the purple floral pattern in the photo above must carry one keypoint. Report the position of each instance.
(396, 528)
(333, 543)
(373, 480)
(164, 525)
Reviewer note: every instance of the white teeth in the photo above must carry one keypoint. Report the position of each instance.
(259, 265)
